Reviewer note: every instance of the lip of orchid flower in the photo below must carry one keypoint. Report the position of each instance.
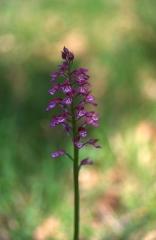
(54, 89)
(81, 70)
(60, 119)
(79, 145)
(67, 100)
(58, 153)
(81, 79)
(93, 142)
(90, 99)
(86, 161)
(80, 111)
(77, 142)
(67, 127)
(83, 90)
(54, 76)
(66, 87)
(80, 76)
(82, 132)
(52, 104)
(92, 119)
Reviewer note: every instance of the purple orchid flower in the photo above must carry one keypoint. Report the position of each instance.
(71, 93)
(74, 86)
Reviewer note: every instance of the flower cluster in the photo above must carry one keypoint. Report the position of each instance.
(71, 93)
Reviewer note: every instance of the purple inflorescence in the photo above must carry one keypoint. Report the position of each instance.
(72, 93)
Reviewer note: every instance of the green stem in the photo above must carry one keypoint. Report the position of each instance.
(75, 175)
(76, 180)
(76, 195)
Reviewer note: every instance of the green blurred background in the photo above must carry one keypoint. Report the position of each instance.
(116, 40)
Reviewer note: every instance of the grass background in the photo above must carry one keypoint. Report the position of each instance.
(115, 39)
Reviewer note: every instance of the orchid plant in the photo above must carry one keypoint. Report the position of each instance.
(72, 92)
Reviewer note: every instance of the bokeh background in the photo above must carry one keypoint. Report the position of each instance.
(116, 40)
